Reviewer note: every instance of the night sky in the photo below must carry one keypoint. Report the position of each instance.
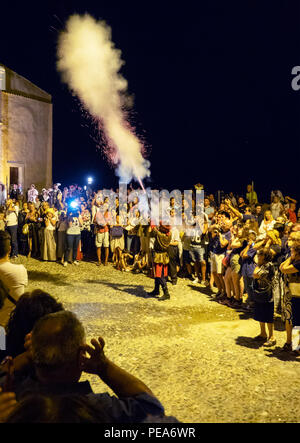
(211, 82)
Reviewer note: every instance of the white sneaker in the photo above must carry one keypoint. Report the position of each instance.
(65, 264)
(76, 263)
(196, 280)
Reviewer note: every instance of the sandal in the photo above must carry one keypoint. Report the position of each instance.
(270, 343)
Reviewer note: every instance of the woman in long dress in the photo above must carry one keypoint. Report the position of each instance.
(290, 269)
(49, 237)
(23, 235)
(263, 276)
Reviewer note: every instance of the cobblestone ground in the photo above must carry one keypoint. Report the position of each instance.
(197, 356)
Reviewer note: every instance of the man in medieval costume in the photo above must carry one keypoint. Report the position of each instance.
(160, 260)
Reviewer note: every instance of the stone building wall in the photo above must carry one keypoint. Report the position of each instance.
(25, 132)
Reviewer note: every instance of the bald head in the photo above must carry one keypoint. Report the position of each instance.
(56, 342)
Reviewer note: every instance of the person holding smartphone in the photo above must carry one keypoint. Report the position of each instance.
(74, 223)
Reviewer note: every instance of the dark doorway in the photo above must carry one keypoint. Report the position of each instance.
(13, 176)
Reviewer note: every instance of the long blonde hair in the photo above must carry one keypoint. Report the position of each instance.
(271, 218)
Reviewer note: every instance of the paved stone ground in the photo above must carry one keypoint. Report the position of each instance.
(196, 355)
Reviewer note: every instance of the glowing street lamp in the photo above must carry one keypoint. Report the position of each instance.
(90, 180)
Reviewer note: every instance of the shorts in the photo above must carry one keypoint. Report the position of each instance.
(216, 262)
(102, 239)
(196, 253)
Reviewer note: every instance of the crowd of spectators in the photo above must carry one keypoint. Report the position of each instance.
(245, 253)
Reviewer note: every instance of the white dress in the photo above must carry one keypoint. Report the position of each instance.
(32, 195)
(264, 228)
(49, 242)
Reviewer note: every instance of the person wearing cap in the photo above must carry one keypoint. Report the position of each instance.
(160, 259)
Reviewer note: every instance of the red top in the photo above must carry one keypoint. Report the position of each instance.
(292, 216)
(102, 221)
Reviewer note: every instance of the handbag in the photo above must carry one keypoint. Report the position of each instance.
(25, 229)
(226, 261)
(294, 289)
(116, 231)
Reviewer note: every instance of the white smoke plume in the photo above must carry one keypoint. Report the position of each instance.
(90, 65)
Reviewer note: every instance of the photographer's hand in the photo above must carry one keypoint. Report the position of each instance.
(120, 381)
(95, 364)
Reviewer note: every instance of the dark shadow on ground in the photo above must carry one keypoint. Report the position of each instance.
(248, 342)
(57, 279)
(244, 315)
(136, 290)
(204, 290)
(277, 352)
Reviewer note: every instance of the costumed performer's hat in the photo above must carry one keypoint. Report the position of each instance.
(165, 229)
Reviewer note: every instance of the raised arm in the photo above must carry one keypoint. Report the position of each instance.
(287, 267)
(120, 381)
(234, 210)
